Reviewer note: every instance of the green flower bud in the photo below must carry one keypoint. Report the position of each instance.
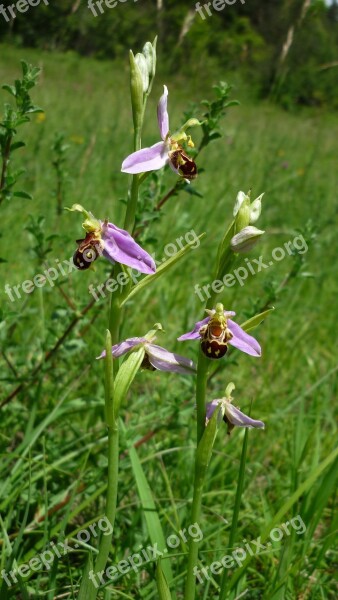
(141, 62)
(149, 52)
(246, 239)
(255, 209)
(242, 211)
(136, 88)
(241, 199)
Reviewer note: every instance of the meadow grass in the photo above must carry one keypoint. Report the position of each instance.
(53, 467)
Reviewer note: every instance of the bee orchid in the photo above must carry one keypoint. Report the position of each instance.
(231, 415)
(217, 331)
(115, 244)
(155, 357)
(169, 150)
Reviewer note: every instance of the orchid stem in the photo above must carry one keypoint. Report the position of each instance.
(201, 389)
(190, 585)
(89, 589)
(129, 221)
(201, 386)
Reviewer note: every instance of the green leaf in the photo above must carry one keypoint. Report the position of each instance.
(149, 507)
(17, 145)
(206, 444)
(10, 89)
(256, 320)
(23, 195)
(162, 586)
(126, 375)
(86, 589)
(161, 270)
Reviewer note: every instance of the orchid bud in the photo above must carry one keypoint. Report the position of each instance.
(142, 64)
(255, 209)
(149, 52)
(137, 90)
(246, 239)
(242, 211)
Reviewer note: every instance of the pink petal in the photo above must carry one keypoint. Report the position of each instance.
(162, 114)
(236, 417)
(119, 246)
(147, 159)
(243, 341)
(164, 360)
(210, 408)
(123, 347)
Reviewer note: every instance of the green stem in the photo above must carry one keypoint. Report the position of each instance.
(190, 584)
(201, 386)
(111, 502)
(201, 389)
(234, 522)
(89, 585)
(5, 163)
(129, 221)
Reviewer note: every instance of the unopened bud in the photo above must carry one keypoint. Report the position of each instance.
(136, 88)
(255, 209)
(246, 239)
(142, 64)
(241, 198)
(242, 211)
(149, 52)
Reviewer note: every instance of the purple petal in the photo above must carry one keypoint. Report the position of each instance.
(242, 340)
(236, 417)
(120, 247)
(147, 159)
(123, 347)
(164, 360)
(211, 406)
(194, 334)
(162, 114)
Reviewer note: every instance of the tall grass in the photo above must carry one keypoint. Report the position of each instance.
(53, 466)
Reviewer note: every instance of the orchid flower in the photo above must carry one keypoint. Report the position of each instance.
(155, 356)
(115, 244)
(169, 150)
(231, 415)
(217, 331)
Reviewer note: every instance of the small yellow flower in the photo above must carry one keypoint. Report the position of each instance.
(77, 139)
(40, 117)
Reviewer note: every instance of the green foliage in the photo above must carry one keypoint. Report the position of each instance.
(53, 470)
(12, 119)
